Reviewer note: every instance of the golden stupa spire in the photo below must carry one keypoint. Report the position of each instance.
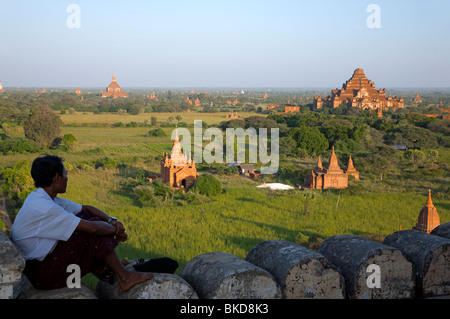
(429, 201)
(428, 217)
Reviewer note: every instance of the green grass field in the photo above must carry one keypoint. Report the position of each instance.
(234, 221)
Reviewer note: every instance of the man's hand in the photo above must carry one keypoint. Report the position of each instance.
(120, 234)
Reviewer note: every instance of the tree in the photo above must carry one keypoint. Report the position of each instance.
(287, 145)
(415, 157)
(135, 109)
(43, 126)
(309, 139)
(17, 181)
(413, 137)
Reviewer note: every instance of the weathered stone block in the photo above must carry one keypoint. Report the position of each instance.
(12, 264)
(430, 256)
(25, 290)
(354, 257)
(301, 273)
(219, 275)
(442, 230)
(161, 286)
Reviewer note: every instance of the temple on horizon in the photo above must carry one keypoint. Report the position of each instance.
(114, 90)
(359, 92)
(417, 99)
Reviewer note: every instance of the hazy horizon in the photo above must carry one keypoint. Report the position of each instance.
(227, 44)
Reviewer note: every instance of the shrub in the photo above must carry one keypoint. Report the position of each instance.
(162, 190)
(144, 193)
(157, 132)
(70, 141)
(153, 194)
(140, 175)
(106, 162)
(18, 145)
(207, 185)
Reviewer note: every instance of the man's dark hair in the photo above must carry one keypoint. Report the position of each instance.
(45, 168)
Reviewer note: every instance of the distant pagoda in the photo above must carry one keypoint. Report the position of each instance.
(1, 87)
(114, 90)
(417, 99)
(359, 92)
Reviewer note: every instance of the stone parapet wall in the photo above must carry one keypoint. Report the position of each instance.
(408, 264)
(12, 264)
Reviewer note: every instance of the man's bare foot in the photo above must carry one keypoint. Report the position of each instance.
(132, 278)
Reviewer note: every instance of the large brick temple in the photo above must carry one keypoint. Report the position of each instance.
(114, 90)
(359, 92)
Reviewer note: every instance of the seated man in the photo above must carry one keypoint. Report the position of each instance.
(53, 233)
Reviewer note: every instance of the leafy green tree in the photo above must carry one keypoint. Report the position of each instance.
(259, 122)
(415, 157)
(336, 132)
(17, 182)
(135, 109)
(413, 137)
(287, 146)
(309, 139)
(43, 126)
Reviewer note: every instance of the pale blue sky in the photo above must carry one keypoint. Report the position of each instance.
(247, 43)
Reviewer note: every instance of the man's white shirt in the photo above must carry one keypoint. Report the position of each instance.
(42, 222)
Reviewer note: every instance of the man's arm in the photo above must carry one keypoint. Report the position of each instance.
(96, 227)
(119, 230)
(96, 212)
(100, 228)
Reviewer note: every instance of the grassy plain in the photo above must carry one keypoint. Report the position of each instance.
(234, 221)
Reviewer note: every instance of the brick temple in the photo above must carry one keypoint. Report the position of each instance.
(417, 99)
(428, 217)
(359, 92)
(177, 168)
(332, 176)
(114, 90)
